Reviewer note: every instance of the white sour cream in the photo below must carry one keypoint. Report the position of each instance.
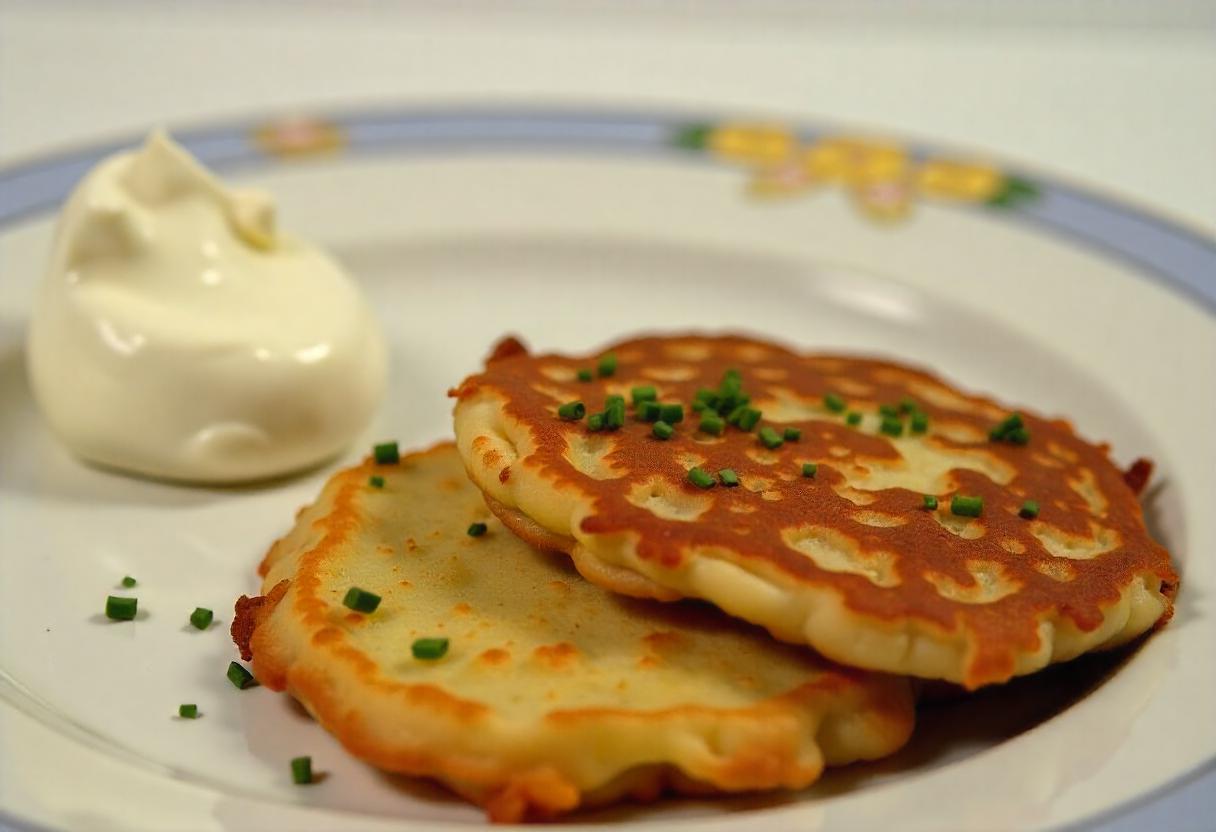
(179, 334)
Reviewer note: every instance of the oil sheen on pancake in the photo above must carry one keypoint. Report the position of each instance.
(553, 693)
(849, 560)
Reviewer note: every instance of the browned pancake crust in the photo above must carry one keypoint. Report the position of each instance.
(924, 547)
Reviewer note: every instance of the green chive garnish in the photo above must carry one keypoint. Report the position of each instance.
(120, 609)
(854, 418)
(929, 502)
(650, 411)
(595, 422)
(585, 375)
(187, 711)
(919, 422)
(891, 426)
(749, 418)
(1029, 510)
(888, 410)
(908, 405)
(672, 414)
(1012, 429)
(429, 648)
(834, 403)
(1018, 436)
(644, 394)
(129, 582)
(301, 771)
(769, 438)
(699, 478)
(728, 477)
(240, 677)
(707, 396)
(607, 365)
(360, 600)
(201, 618)
(477, 529)
(712, 424)
(386, 453)
(572, 411)
(966, 506)
(662, 430)
(791, 434)
(614, 412)
(376, 481)
(809, 469)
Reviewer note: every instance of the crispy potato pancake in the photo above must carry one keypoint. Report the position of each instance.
(847, 557)
(553, 693)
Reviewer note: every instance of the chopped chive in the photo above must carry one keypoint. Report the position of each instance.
(699, 478)
(891, 426)
(662, 430)
(360, 600)
(966, 506)
(704, 394)
(919, 422)
(650, 411)
(476, 529)
(240, 677)
(120, 609)
(1011, 423)
(376, 481)
(1018, 436)
(301, 771)
(572, 411)
(700, 406)
(769, 438)
(595, 422)
(736, 414)
(853, 418)
(1029, 510)
(712, 424)
(908, 405)
(607, 365)
(809, 469)
(585, 375)
(733, 374)
(386, 453)
(888, 410)
(834, 403)
(644, 394)
(614, 412)
(187, 711)
(128, 581)
(429, 648)
(201, 618)
(671, 413)
(728, 477)
(929, 501)
(791, 434)
(748, 420)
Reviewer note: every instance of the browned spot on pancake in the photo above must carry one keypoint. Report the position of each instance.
(462, 608)
(411, 544)
(406, 584)
(385, 549)
(495, 656)
(355, 618)
(649, 662)
(661, 640)
(560, 586)
(504, 474)
(450, 486)
(977, 577)
(556, 656)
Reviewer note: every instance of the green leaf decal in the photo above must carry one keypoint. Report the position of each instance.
(1013, 192)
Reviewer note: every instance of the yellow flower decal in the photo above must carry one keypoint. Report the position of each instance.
(882, 179)
(293, 137)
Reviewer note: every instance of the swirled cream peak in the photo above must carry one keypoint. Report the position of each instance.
(179, 334)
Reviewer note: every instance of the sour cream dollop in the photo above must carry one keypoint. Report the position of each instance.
(178, 334)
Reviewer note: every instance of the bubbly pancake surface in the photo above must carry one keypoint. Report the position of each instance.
(849, 560)
(553, 693)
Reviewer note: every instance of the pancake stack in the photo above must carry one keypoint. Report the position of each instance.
(855, 526)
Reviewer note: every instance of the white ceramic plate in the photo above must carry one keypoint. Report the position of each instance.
(573, 229)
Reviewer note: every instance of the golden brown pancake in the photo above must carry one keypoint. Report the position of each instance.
(553, 693)
(849, 560)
